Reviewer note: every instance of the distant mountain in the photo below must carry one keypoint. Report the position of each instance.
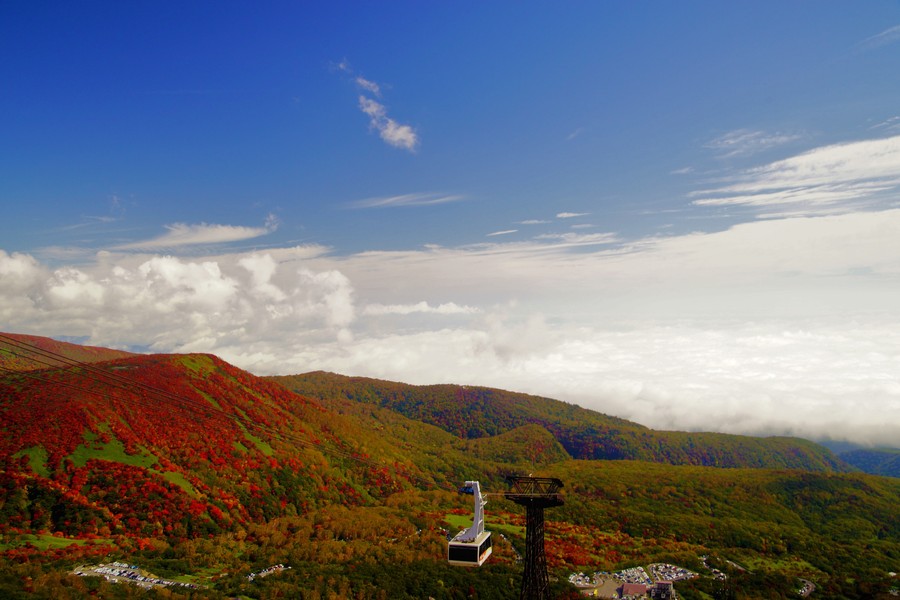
(474, 412)
(876, 461)
(839, 447)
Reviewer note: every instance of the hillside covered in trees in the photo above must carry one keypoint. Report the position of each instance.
(203, 473)
(878, 461)
(475, 412)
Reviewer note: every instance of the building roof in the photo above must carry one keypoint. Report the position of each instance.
(630, 589)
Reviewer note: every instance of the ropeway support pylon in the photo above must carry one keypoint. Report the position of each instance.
(535, 494)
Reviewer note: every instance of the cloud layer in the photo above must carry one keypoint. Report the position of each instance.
(783, 326)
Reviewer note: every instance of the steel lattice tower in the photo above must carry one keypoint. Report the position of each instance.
(535, 494)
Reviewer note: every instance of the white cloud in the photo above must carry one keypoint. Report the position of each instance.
(447, 308)
(181, 234)
(21, 276)
(744, 142)
(570, 215)
(683, 171)
(171, 304)
(17, 270)
(742, 270)
(177, 285)
(504, 232)
(369, 86)
(782, 326)
(418, 199)
(393, 133)
(69, 286)
(262, 268)
(850, 174)
(533, 222)
(819, 379)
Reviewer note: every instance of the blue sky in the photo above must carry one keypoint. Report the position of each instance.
(686, 214)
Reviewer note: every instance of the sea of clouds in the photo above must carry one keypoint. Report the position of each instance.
(783, 327)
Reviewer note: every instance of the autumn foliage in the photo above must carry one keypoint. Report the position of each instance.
(192, 466)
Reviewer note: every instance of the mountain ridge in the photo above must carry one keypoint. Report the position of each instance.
(21, 352)
(875, 461)
(472, 412)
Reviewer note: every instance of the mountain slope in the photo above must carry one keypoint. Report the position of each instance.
(474, 412)
(124, 444)
(876, 461)
(189, 435)
(19, 352)
(192, 468)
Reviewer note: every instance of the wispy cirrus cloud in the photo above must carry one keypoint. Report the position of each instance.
(420, 199)
(570, 215)
(503, 232)
(182, 234)
(575, 134)
(89, 221)
(888, 36)
(833, 178)
(533, 222)
(580, 239)
(744, 142)
(889, 124)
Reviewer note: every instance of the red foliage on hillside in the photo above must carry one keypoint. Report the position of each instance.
(19, 352)
(172, 446)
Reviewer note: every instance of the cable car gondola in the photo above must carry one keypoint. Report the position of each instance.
(472, 546)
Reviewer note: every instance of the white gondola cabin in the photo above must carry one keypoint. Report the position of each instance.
(472, 546)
